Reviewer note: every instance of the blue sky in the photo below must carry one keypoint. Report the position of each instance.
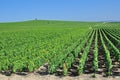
(81, 10)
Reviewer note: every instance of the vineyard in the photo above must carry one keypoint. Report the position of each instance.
(62, 48)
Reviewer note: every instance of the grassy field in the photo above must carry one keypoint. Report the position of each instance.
(61, 47)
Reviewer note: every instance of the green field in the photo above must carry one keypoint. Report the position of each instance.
(67, 47)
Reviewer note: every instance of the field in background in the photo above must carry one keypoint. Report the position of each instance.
(60, 47)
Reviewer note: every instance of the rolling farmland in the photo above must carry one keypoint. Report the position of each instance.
(61, 47)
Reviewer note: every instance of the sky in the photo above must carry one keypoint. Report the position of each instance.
(75, 10)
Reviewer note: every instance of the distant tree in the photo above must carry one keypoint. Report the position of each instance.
(36, 19)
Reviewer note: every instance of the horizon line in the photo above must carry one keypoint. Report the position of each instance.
(60, 20)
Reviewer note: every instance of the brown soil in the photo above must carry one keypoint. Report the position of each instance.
(33, 76)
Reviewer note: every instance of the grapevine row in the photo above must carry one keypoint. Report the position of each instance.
(71, 58)
(95, 61)
(108, 62)
(84, 55)
(116, 52)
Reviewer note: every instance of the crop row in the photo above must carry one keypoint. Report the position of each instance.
(27, 51)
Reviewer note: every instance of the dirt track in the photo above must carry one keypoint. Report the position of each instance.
(32, 76)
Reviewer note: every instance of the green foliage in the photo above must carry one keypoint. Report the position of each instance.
(25, 46)
(84, 55)
(95, 61)
(107, 55)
